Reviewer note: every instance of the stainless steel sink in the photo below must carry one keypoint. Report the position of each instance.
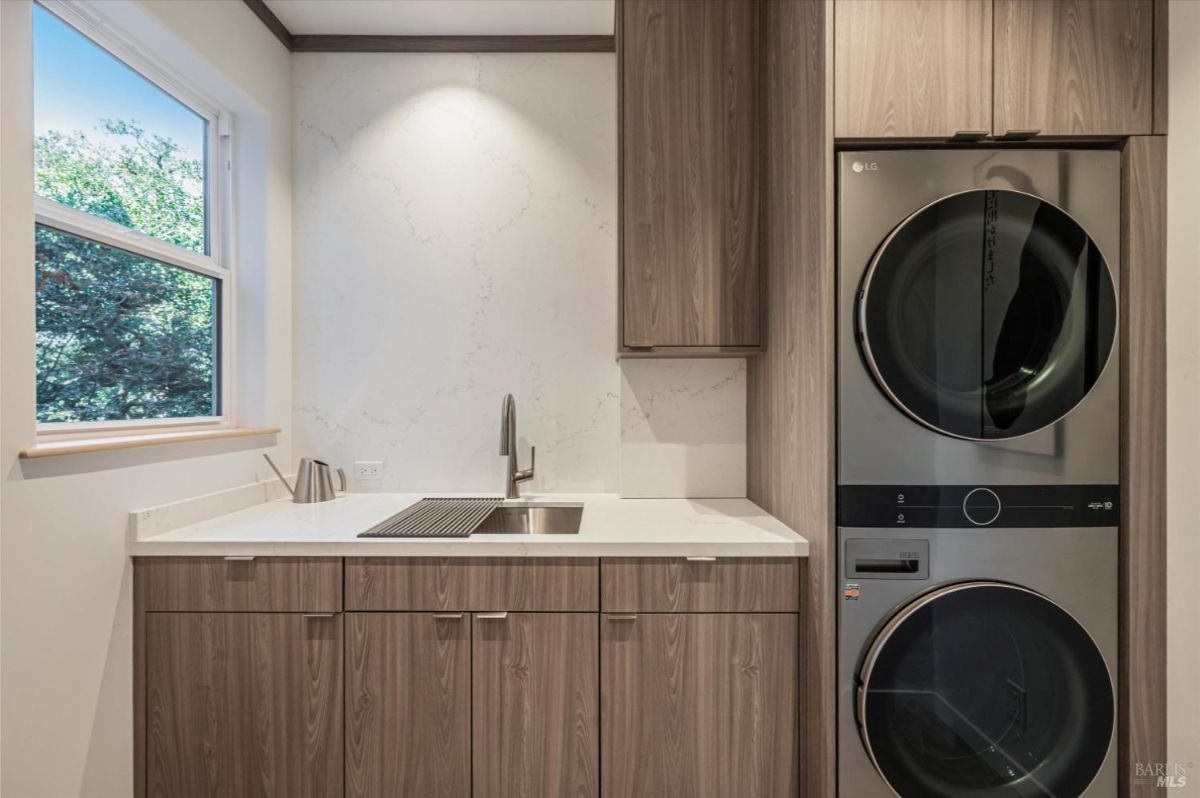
(532, 518)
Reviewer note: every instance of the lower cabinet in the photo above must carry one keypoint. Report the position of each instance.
(243, 704)
(658, 679)
(408, 704)
(699, 705)
(536, 705)
(492, 704)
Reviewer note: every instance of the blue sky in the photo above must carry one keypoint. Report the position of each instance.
(77, 83)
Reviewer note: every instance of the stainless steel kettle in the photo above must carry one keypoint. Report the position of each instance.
(314, 481)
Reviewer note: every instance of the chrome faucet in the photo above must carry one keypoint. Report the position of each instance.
(508, 447)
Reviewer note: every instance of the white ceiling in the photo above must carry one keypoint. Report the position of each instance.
(446, 17)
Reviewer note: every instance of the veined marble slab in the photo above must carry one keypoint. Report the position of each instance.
(456, 240)
(154, 521)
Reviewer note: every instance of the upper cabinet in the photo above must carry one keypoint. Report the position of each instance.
(912, 68)
(1074, 67)
(1008, 68)
(689, 95)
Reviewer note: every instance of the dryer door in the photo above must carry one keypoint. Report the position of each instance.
(987, 315)
(985, 689)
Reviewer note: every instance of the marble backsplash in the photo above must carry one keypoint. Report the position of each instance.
(683, 428)
(455, 239)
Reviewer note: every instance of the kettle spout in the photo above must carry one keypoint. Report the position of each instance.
(278, 474)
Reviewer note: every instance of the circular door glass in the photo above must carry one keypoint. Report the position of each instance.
(985, 689)
(987, 315)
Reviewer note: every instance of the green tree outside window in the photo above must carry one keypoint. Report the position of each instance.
(121, 336)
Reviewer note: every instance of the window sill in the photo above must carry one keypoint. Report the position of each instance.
(134, 441)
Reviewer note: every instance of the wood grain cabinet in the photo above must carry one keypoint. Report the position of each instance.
(1074, 67)
(491, 704)
(912, 68)
(689, 127)
(243, 705)
(466, 697)
(408, 704)
(699, 705)
(536, 705)
(540, 584)
(236, 584)
(1011, 68)
(681, 584)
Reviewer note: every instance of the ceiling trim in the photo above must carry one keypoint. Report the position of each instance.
(336, 43)
(340, 43)
(272, 22)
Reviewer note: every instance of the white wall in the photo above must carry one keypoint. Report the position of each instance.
(65, 598)
(455, 240)
(1183, 388)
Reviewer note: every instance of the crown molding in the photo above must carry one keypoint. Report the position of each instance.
(342, 43)
(264, 13)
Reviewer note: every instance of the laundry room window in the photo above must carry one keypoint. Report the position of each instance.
(133, 269)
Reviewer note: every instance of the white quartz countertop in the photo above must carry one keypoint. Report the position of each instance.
(610, 527)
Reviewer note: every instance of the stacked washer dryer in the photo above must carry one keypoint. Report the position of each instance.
(978, 446)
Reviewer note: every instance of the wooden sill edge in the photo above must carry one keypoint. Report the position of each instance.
(82, 445)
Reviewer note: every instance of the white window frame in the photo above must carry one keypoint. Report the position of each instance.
(218, 262)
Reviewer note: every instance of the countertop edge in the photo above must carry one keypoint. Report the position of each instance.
(614, 527)
(483, 548)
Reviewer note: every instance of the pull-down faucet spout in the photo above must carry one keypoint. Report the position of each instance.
(508, 447)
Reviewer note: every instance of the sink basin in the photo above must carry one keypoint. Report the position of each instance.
(532, 518)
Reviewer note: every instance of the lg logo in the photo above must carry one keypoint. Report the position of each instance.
(859, 166)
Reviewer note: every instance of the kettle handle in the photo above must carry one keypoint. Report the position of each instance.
(342, 479)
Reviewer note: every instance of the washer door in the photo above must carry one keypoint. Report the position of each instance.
(987, 315)
(985, 689)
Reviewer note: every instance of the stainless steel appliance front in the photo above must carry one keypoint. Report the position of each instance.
(977, 301)
(977, 662)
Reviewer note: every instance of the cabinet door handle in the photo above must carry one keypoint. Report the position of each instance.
(969, 135)
(318, 615)
(491, 616)
(1020, 135)
(622, 616)
(701, 559)
(447, 616)
(239, 558)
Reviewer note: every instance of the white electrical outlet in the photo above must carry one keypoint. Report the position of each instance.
(368, 469)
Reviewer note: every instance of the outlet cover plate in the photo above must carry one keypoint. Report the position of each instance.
(368, 469)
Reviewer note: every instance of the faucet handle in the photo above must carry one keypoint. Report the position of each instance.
(527, 473)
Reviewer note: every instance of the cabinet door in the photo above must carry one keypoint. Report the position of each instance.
(699, 706)
(243, 704)
(536, 705)
(408, 696)
(689, 179)
(912, 67)
(1074, 67)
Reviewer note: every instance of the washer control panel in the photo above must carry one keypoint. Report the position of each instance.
(981, 506)
(978, 506)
